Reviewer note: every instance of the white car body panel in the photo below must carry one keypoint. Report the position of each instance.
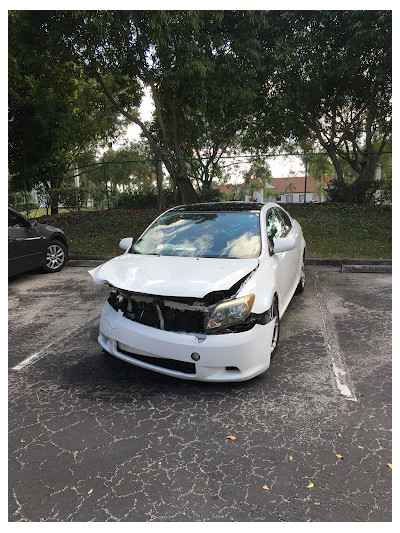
(227, 356)
(217, 352)
(172, 276)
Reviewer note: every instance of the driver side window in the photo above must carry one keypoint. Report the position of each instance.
(15, 220)
(275, 227)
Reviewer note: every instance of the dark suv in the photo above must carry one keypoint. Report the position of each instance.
(32, 245)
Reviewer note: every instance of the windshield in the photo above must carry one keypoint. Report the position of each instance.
(234, 235)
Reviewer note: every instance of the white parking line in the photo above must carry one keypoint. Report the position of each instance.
(38, 355)
(342, 378)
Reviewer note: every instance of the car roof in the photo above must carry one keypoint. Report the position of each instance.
(220, 206)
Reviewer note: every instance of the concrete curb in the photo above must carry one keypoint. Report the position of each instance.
(380, 269)
(91, 257)
(334, 261)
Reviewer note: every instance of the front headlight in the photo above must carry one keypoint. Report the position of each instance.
(231, 312)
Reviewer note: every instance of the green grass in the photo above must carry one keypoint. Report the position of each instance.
(337, 230)
(330, 230)
(99, 232)
(41, 211)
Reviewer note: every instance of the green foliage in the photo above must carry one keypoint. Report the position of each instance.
(128, 165)
(145, 197)
(72, 198)
(16, 199)
(54, 112)
(210, 195)
(221, 82)
(363, 192)
(238, 193)
(260, 170)
(331, 84)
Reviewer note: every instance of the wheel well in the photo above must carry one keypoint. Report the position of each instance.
(275, 297)
(59, 238)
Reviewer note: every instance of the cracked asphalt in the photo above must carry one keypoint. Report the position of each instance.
(92, 438)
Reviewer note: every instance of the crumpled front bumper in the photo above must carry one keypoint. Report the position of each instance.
(224, 357)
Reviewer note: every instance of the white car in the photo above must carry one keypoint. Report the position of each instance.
(200, 294)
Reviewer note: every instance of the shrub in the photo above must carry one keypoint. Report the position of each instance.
(145, 197)
(16, 199)
(210, 195)
(72, 198)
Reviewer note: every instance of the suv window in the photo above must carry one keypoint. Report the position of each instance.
(15, 220)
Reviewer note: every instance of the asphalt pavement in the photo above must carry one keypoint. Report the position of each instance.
(92, 438)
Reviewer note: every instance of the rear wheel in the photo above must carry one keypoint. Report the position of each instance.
(56, 257)
(277, 324)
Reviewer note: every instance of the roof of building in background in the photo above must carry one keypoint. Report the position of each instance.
(225, 189)
(281, 185)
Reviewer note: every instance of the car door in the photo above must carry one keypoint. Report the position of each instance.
(292, 256)
(25, 244)
(280, 262)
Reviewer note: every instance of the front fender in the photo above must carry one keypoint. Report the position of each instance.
(262, 284)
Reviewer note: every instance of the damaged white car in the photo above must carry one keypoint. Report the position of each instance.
(200, 294)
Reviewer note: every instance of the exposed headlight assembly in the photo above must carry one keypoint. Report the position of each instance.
(230, 312)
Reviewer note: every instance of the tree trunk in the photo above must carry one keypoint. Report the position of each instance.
(365, 181)
(186, 191)
(160, 197)
(54, 198)
(181, 180)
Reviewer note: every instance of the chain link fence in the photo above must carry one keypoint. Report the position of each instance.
(285, 178)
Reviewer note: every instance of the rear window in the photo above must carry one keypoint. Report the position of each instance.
(230, 235)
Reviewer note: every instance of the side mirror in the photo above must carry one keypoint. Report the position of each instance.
(32, 222)
(126, 243)
(284, 244)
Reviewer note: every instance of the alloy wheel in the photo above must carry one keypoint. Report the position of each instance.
(55, 256)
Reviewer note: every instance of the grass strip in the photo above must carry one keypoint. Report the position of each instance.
(330, 230)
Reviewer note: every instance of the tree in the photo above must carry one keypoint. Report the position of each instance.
(257, 176)
(126, 51)
(54, 113)
(198, 66)
(129, 165)
(332, 83)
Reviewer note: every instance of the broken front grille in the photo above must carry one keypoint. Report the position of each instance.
(161, 313)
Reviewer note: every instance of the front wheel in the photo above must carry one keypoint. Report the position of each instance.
(277, 325)
(56, 257)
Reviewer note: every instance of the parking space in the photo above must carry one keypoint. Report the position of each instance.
(95, 439)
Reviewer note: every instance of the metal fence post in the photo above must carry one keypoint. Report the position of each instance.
(26, 201)
(305, 180)
(105, 178)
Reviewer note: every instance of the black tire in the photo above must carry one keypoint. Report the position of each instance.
(302, 280)
(56, 257)
(277, 327)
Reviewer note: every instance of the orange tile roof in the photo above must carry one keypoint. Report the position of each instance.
(225, 189)
(280, 184)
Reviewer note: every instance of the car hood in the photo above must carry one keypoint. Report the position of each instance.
(48, 227)
(172, 276)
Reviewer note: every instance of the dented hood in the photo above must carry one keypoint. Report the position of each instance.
(172, 276)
